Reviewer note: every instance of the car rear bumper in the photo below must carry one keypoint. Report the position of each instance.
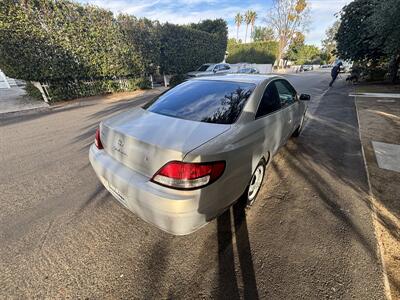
(173, 211)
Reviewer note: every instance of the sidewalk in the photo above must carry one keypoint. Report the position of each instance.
(379, 119)
(15, 99)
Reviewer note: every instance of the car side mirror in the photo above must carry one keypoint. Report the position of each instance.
(305, 97)
(215, 70)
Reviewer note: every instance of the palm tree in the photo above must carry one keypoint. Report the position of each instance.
(247, 20)
(238, 22)
(253, 17)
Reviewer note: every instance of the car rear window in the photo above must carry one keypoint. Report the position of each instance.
(203, 68)
(208, 101)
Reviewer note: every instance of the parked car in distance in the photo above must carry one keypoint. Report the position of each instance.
(308, 67)
(210, 69)
(186, 156)
(250, 70)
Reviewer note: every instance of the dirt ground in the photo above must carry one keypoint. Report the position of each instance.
(380, 121)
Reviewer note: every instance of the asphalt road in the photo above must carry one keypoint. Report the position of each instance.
(309, 235)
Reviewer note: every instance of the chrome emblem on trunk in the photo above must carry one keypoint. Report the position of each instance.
(119, 147)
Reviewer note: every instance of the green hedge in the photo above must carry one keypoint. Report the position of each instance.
(63, 42)
(185, 48)
(47, 39)
(65, 90)
(257, 52)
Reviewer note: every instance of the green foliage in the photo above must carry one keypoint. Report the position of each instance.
(369, 33)
(177, 79)
(47, 39)
(81, 50)
(308, 54)
(263, 34)
(32, 91)
(257, 52)
(305, 55)
(184, 48)
(65, 90)
(329, 43)
(355, 36)
(143, 38)
(296, 44)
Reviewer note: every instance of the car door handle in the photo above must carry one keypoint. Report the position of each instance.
(290, 121)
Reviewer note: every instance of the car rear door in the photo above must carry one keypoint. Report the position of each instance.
(269, 119)
(290, 106)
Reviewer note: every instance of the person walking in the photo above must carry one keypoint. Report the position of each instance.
(335, 72)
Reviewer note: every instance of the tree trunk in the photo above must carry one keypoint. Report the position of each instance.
(394, 68)
(245, 37)
(237, 34)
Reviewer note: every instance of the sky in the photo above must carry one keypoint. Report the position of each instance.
(191, 11)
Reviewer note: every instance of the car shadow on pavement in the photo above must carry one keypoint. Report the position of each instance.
(228, 284)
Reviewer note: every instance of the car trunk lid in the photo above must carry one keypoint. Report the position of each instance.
(145, 141)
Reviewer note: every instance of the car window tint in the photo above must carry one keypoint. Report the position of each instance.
(204, 101)
(287, 94)
(270, 101)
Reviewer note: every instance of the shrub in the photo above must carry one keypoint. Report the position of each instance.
(52, 40)
(78, 49)
(257, 52)
(32, 91)
(65, 90)
(177, 79)
(184, 48)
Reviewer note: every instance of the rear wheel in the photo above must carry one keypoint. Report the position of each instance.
(255, 183)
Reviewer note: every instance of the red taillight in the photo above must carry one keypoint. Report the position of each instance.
(182, 175)
(97, 140)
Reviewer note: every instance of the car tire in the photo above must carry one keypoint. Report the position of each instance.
(298, 130)
(255, 183)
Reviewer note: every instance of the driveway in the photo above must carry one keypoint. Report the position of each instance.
(15, 99)
(309, 235)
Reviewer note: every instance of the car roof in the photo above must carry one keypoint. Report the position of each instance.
(248, 78)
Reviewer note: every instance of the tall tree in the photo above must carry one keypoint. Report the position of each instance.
(387, 33)
(247, 20)
(287, 17)
(295, 46)
(329, 43)
(253, 17)
(263, 34)
(238, 22)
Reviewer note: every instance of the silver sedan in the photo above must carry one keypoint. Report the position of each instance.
(186, 156)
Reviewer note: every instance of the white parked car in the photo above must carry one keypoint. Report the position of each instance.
(211, 69)
(249, 70)
(186, 156)
(307, 67)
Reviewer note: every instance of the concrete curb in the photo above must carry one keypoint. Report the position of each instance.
(24, 112)
(380, 247)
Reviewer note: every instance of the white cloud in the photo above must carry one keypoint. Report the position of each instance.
(322, 16)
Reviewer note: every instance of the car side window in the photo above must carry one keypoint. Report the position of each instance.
(287, 94)
(227, 67)
(270, 101)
